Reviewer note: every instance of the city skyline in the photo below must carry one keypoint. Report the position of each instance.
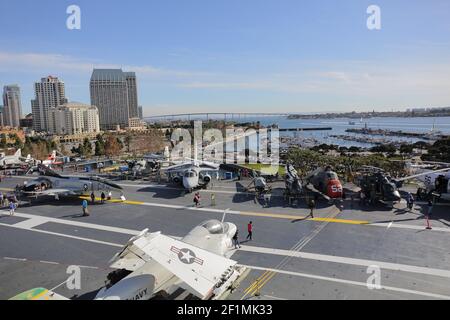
(291, 56)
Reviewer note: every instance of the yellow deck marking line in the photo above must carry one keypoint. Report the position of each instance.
(253, 214)
(261, 278)
(260, 283)
(137, 203)
(271, 215)
(357, 222)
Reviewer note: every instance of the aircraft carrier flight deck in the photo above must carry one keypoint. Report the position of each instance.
(291, 256)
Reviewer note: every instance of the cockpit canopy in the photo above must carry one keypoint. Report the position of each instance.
(190, 174)
(40, 183)
(215, 227)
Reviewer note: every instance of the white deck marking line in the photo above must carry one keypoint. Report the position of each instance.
(66, 236)
(274, 298)
(31, 222)
(351, 261)
(163, 187)
(406, 226)
(43, 220)
(362, 284)
(88, 267)
(208, 210)
(280, 252)
(14, 259)
(49, 262)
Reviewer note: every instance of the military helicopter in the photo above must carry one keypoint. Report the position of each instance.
(258, 185)
(294, 186)
(325, 182)
(377, 186)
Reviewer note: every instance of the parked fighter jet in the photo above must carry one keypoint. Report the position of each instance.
(192, 174)
(16, 160)
(436, 183)
(154, 264)
(53, 184)
(326, 182)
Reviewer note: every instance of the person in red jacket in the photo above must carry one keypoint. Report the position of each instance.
(250, 231)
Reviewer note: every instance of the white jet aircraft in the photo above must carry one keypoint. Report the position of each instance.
(14, 160)
(435, 181)
(192, 174)
(153, 264)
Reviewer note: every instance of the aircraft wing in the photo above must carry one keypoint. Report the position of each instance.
(178, 167)
(199, 269)
(421, 175)
(54, 192)
(207, 169)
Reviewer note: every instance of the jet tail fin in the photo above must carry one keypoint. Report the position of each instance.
(18, 153)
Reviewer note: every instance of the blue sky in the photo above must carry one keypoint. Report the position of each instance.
(252, 55)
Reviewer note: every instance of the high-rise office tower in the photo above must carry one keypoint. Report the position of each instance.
(114, 92)
(140, 112)
(132, 94)
(49, 93)
(2, 111)
(12, 106)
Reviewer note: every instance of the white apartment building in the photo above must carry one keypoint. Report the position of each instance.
(73, 118)
(50, 93)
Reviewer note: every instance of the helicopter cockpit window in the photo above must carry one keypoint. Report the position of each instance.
(332, 176)
(215, 227)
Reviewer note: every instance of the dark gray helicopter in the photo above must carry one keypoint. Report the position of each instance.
(377, 186)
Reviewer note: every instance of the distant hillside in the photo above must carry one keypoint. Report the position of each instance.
(435, 112)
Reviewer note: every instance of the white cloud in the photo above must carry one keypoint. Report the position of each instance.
(315, 83)
(44, 63)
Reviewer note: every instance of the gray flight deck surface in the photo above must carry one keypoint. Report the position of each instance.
(290, 257)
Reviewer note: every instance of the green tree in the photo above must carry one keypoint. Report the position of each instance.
(87, 147)
(439, 151)
(128, 139)
(100, 146)
(3, 141)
